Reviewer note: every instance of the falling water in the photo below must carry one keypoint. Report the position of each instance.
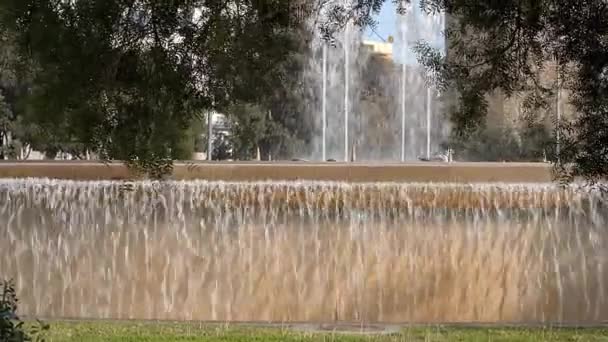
(337, 75)
(333, 77)
(347, 43)
(324, 106)
(425, 126)
(305, 251)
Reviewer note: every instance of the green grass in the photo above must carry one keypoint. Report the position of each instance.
(157, 332)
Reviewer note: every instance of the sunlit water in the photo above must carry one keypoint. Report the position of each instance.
(305, 251)
(424, 118)
(383, 101)
(344, 62)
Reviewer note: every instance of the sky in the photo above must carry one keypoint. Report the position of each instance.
(428, 29)
(386, 23)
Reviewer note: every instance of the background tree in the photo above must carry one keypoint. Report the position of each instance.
(255, 131)
(125, 78)
(275, 121)
(8, 89)
(378, 110)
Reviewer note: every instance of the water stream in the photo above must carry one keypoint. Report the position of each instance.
(305, 251)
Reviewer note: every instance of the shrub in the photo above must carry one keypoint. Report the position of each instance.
(12, 328)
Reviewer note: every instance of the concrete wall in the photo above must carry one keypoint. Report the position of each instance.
(414, 172)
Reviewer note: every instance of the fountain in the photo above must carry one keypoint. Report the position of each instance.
(305, 251)
(335, 76)
(344, 243)
(422, 129)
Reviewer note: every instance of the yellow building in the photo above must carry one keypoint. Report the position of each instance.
(379, 48)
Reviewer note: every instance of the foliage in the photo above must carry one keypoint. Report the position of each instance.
(222, 147)
(248, 120)
(187, 144)
(504, 46)
(378, 107)
(287, 103)
(127, 78)
(506, 144)
(274, 122)
(16, 81)
(6, 83)
(253, 129)
(11, 327)
(5, 122)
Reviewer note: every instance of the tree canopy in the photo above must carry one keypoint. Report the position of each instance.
(125, 78)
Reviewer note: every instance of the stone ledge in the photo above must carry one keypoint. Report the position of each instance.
(291, 171)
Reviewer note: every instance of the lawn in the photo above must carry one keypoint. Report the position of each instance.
(157, 332)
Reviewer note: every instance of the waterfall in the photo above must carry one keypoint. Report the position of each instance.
(305, 251)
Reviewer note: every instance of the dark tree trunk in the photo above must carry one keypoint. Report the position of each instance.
(1, 145)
